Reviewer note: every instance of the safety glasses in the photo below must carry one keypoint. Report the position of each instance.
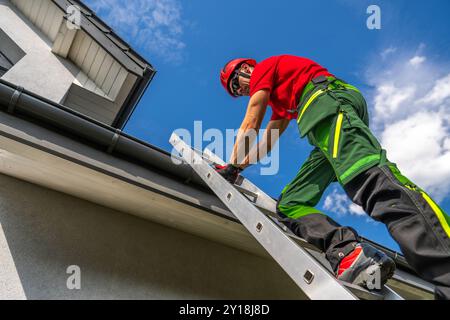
(235, 84)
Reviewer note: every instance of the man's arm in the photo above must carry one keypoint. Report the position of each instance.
(274, 130)
(254, 116)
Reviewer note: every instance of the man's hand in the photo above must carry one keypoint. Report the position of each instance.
(229, 172)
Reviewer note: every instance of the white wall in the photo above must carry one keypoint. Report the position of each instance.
(89, 81)
(120, 256)
(40, 71)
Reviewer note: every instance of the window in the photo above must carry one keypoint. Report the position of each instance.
(5, 64)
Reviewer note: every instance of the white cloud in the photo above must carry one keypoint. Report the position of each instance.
(340, 204)
(390, 98)
(337, 202)
(411, 108)
(439, 93)
(419, 144)
(388, 52)
(417, 61)
(155, 25)
(355, 209)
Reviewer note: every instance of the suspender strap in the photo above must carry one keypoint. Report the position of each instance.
(322, 83)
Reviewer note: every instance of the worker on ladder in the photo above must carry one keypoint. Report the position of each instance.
(333, 115)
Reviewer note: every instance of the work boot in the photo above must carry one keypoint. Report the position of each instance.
(366, 266)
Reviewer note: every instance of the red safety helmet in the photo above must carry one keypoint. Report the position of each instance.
(230, 68)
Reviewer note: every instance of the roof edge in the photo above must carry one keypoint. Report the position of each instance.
(107, 39)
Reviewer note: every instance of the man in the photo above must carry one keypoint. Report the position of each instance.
(333, 116)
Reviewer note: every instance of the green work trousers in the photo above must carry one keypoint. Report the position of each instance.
(334, 118)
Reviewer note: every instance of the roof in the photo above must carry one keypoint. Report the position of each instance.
(111, 72)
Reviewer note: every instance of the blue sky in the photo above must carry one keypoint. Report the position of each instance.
(403, 69)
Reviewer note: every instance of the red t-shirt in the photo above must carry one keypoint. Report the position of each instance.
(285, 77)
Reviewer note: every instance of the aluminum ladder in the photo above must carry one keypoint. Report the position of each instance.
(255, 210)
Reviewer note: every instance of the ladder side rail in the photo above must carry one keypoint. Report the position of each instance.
(264, 201)
(314, 280)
